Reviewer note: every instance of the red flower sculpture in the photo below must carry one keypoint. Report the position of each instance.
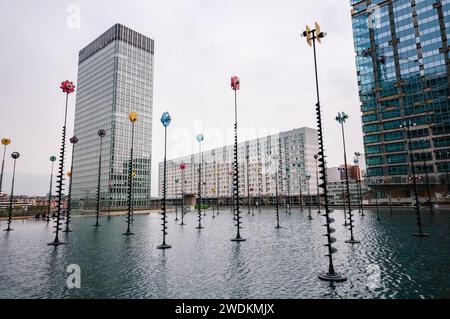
(182, 165)
(235, 83)
(67, 87)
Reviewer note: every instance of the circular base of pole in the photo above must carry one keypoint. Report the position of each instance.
(421, 234)
(182, 224)
(163, 246)
(278, 227)
(352, 241)
(238, 239)
(128, 233)
(56, 243)
(96, 225)
(67, 231)
(8, 229)
(332, 277)
(310, 218)
(176, 219)
(345, 225)
(199, 227)
(213, 216)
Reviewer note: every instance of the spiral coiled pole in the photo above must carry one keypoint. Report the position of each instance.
(341, 118)
(237, 213)
(49, 200)
(101, 133)
(199, 191)
(73, 140)
(60, 183)
(15, 156)
(164, 245)
(132, 117)
(331, 275)
(277, 205)
(5, 143)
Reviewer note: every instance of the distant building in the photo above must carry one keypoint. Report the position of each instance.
(115, 77)
(293, 149)
(337, 188)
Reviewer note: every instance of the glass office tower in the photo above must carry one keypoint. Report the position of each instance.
(403, 71)
(115, 77)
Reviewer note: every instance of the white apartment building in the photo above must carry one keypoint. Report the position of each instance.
(285, 157)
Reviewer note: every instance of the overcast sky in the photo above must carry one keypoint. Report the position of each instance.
(199, 44)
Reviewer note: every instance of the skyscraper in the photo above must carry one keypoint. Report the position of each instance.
(402, 58)
(115, 77)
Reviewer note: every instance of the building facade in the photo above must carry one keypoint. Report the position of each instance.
(115, 77)
(402, 58)
(337, 187)
(285, 157)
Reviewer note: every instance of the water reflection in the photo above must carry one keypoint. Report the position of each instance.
(272, 263)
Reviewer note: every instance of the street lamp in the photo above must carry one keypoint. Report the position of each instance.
(101, 133)
(341, 118)
(235, 86)
(49, 201)
(408, 124)
(200, 139)
(15, 156)
(331, 275)
(73, 140)
(5, 143)
(132, 116)
(308, 178)
(361, 203)
(165, 120)
(182, 168)
(68, 88)
(299, 165)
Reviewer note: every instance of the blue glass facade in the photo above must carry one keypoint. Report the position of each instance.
(402, 60)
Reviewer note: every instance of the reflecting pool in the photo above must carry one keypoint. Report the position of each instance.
(272, 263)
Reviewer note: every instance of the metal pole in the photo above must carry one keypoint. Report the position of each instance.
(60, 184)
(130, 183)
(236, 174)
(3, 167)
(416, 195)
(347, 183)
(164, 245)
(49, 201)
(317, 182)
(11, 197)
(276, 201)
(97, 206)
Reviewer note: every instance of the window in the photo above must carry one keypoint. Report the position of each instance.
(373, 149)
(396, 158)
(397, 170)
(394, 147)
(392, 136)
